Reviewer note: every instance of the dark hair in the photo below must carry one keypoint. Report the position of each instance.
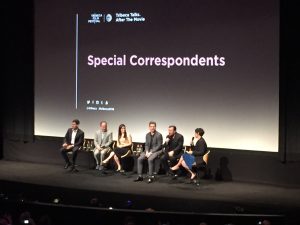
(152, 122)
(103, 121)
(200, 131)
(76, 121)
(174, 127)
(120, 133)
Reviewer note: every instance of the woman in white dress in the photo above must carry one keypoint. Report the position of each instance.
(124, 143)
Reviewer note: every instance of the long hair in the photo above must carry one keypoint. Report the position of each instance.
(120, 133)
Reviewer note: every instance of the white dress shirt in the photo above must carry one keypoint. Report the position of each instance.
(73, 136)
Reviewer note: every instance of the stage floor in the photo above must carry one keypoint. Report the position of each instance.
(164, 194)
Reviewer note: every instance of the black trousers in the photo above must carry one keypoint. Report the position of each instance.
(64, 153)
(164, 161)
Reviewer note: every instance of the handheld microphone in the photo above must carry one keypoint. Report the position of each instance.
(192, 141)
(166, 143)
(167, 140)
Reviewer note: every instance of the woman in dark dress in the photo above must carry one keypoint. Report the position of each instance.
(124, 143)
(195, 155)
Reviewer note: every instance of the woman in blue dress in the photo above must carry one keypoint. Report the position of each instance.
(194, 156)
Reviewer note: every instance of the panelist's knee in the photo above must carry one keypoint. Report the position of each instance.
(63, 150)
(140, 159)
(151, 160)
(102, 153)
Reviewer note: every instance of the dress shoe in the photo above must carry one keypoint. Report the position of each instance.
(73, 169)
(150, 179)
(139, 178)
(171, 173)
(174, 177)
(67, 165)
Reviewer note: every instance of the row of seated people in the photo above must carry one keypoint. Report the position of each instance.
(170, 152)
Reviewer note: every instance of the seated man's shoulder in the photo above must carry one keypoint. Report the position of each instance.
(158, 134)
(179, 135)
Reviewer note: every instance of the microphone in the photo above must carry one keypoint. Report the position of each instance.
(166, 143)
(192, 141)
(167, 140)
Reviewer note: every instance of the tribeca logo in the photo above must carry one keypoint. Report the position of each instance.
(108, 18)
(99, 17)
(95, 18)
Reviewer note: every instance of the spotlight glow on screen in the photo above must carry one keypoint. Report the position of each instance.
(198, 63)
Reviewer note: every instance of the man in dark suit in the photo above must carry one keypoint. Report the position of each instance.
(153, 148)
(73, 141)
(172, 148)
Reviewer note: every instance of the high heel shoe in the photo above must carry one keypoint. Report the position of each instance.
(193, 177)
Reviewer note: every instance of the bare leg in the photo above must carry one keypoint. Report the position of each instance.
(116, 159)
(109, 157)
(176, 167)
(188, 169)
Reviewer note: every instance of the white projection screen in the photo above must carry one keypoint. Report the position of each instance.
(212, 64)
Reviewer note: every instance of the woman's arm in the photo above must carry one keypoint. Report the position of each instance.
(127, 144)
(200, 148)
(118, 144)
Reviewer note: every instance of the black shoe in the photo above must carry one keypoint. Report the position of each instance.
(171, 173)
(101, 168)
(174, 177)
(139, 178)
(67, 165)
(73, 169)
(150, 179)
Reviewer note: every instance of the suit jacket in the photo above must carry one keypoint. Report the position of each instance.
(79, 138)
(199, 150)
(106, 141)
(175, 144)
(156, 142)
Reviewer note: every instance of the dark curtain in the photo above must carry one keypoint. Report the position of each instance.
(289, 141)
(18, 77)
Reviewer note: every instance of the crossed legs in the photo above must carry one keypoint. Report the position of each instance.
(116, 159)
(182, 163)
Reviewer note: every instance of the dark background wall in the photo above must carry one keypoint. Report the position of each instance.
(19, 143)
(289, 82)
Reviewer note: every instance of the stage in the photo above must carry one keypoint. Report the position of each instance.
(45, 181)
